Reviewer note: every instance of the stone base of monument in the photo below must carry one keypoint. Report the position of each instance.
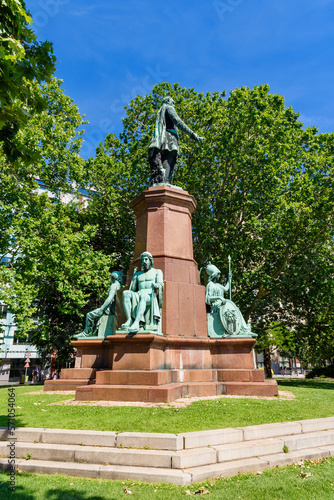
(151, 368)
(91, 355)
(70, 381)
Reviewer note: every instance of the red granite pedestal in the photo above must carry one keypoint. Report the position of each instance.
(184, 361)
(163, 227)
(152, 368)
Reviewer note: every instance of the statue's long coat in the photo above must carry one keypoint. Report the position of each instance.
(165, 134)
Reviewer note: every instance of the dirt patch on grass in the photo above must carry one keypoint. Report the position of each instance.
(286, 395)
(55, 393)
(178, 403)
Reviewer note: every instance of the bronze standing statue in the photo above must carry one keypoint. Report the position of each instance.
(164, 146)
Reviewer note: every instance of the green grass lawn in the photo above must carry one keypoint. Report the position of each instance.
(314, 399)
(306, 481)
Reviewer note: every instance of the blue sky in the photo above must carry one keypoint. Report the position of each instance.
(110, 51)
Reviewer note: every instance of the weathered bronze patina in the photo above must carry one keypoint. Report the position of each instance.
(99, 323)
(164, 146)
(224, 318)
(142, 302)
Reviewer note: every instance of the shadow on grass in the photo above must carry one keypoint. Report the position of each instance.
(308, 383)
(19, 422)
(68, 494)
(23, 493)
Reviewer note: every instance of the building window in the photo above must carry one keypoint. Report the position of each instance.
(20, 340)
(3, 311)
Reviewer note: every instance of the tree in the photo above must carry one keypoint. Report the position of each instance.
(116, 182)
(263, 185)
(24, 64)
(310, 292)
(53, 272)
(54, 275)
(50, 154)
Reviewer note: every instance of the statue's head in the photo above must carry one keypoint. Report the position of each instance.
(146, 260)
(212, 271)
(168, 100)
(116, 276)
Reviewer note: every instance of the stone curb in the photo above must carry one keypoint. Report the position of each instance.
(155, 475)
(172, 442)
(178, 459)
(90, 454)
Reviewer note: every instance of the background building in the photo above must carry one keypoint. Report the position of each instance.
(14, 350)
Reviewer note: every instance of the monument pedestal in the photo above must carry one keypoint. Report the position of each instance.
(163, 227)
(152, 368)
(183, 361)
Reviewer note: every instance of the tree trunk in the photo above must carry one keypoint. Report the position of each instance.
(267, 363)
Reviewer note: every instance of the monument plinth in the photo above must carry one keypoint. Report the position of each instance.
(183, 360)
(163, 226)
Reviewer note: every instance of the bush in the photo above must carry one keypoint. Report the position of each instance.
(321, 371)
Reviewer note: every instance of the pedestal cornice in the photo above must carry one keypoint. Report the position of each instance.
(164, 195)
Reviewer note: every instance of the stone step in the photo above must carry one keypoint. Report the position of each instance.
(255, 464)
(61, 436)
(200, 375)
(210, 438)
(66, 385)
(169, 475)
(176, 458)
(153, 394)
(158, 394)
(309, 440)
(154, 377)
(267, 388)
(125, 455)
(171, 391)
(280, 459)
(248, 449)
(264, 431)
(134, 377)
(149, 440)
(241, 375)
(115, 472)
(259, 447)
(91, 454)
(78, 373)
(168, 441)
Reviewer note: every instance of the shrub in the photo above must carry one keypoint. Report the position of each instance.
(321, 371)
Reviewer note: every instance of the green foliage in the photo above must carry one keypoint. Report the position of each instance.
(24, 64)
(321, 371)
(55, 275)
(50, 153)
